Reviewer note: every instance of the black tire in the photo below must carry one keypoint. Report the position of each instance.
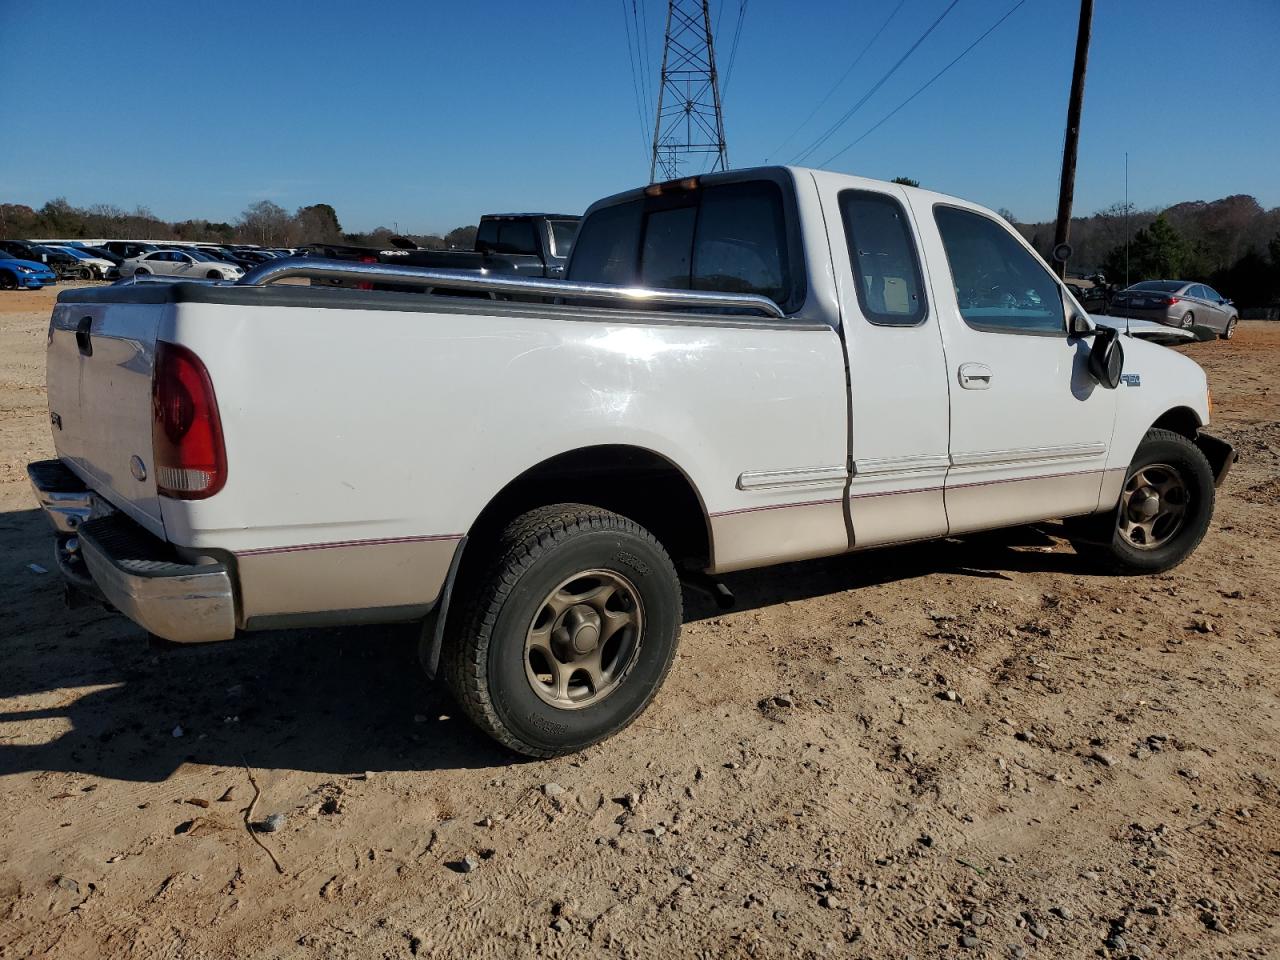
(8, 281)
(484, 656)
(1188, 321)
(141, 272)
(213, 275)
(1230, 331)
(1099, 538)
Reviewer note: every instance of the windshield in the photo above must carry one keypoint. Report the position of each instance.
(78, 254)
(197, 255)
(1160, 286)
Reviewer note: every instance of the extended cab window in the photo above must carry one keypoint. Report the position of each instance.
(885, 267)
(728, 238)
(1000, 287)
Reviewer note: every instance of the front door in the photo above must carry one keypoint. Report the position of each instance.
(1030, 428)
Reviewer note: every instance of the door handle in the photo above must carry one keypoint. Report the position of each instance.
(84, 336)
(975, 376)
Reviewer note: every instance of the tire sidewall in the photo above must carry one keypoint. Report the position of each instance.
(1183, 456)
(533, 720)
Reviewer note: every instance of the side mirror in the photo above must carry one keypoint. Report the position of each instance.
(1079, 326)
(1106, 358)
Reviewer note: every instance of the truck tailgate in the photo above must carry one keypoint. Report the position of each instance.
(100, 363)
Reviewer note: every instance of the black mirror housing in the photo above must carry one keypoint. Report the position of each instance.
(1106, 358)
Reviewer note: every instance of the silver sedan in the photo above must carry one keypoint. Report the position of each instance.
(1177, 303)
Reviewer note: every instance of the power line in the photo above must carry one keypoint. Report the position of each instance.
(878, 84)
(646, 79)
(836, 86)
(927, 84)
(635, 86)
(733, 49)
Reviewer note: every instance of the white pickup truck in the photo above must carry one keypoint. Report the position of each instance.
(739, 370)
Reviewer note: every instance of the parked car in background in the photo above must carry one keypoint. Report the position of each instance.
(114, 258)
(19, 274)
(180, 263)
(90, 267)
(56, 260)
(129, 248)
(1178, 303)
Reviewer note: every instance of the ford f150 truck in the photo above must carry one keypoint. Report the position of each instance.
(739, 370)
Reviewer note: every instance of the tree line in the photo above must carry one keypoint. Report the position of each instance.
(1233, 244)
(264, 223)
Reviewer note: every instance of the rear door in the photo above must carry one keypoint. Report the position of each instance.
(1030, 428)
(100, 363)
(897, 371)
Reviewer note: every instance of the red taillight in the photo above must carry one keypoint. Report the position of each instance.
(365, 284)
(1170, 301)
(186, 431)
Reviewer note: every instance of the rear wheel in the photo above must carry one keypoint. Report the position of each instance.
(568, 635)
(8, 281)
(1230, 332)
(1163, 514)
(1188, 319)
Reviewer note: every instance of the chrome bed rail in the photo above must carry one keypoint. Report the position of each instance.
(484, 282)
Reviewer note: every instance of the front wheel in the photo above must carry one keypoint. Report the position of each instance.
(1230, 332)
(141, 272)
(568, 635)
(1164, 511)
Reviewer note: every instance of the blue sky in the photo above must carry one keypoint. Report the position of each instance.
(426, 114)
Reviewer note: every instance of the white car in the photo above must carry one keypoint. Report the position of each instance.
(97, 267)
(180, 263)
(739, 370)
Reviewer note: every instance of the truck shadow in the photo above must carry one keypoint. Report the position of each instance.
(82, 691)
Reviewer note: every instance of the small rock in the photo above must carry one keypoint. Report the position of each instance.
(178, 732)
(657, 831)
(828, 902)
(271, 823)
(731, 765)
(685, 873)
(200, 802)
(66, 883)
(1038, 930)
(1201, 626)
(1017, 951)
(559, 925)
(552, 789)
(782, 700)
(968, 942)
(1089, 874)
(1103, 758)
(1063, 912)
(1190, 773)
(978, 918)
(466, 864)
(631, 800)
(485, 822)
(1038, 677)
(1116, 944)
(949, 695)
(1026, 736)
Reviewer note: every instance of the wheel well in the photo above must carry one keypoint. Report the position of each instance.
(1181, 420)
(632, 481)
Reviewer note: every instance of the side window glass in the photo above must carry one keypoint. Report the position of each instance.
(1000, 287)
(886, 270)
(667, 253)
(1212, 294)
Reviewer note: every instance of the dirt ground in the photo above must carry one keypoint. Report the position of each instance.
(1105, 783)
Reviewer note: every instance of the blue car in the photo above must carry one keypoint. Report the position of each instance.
(18, 274)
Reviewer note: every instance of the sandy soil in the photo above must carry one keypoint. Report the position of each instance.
(1106, 783)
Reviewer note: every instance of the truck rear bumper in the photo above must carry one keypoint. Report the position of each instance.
(102, 551)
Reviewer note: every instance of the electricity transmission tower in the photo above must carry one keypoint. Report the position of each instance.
(689, 123)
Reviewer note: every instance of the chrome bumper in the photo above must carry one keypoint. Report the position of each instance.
(138, 574)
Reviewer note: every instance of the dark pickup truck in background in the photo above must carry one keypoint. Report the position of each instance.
(520, 244)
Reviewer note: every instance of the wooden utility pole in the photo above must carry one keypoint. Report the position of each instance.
(1067, 189)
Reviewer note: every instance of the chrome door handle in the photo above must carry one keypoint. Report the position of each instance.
(975, 376)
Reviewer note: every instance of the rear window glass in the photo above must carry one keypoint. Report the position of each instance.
(730, 238)
(506, 236)
(1159, 286)
(607, 246)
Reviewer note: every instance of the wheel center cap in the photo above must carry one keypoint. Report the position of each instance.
(1146, 505)
(582, 627)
